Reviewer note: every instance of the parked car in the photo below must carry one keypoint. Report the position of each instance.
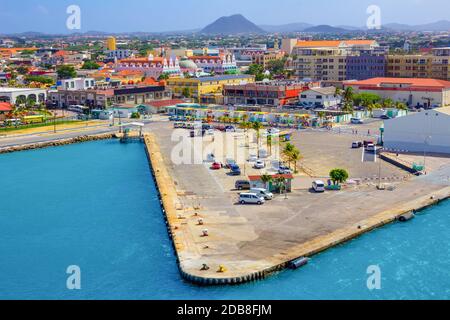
(242, 185)
(371, 147)
(216, 166)
(251, 198)
(229, 162)
(357, 145)
(230, 129)
(262, 193)
(356, 121)
(284, 170)
(318, 186)
(259, 164)
(385, 117)
(235, 170)
(253, 158)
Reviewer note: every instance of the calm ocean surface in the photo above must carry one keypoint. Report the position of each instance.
(95, 205)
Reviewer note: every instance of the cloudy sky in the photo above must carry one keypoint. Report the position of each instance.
(168, 15)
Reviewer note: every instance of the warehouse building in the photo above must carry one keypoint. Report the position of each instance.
(426, 131)
(415, 93)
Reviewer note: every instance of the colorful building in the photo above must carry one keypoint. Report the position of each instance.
(151, 66)
(220, 64)
(270, 93)
(198, 88)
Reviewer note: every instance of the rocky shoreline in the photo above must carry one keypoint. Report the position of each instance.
(56, 143)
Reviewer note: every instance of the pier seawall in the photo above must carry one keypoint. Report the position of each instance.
(58, 142)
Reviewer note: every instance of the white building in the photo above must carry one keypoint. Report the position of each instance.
(77, 84)
(325, 97)
(414, 92)
(11, 95)
(425, 131)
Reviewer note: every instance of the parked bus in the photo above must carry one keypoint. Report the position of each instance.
(78, 109)
(33, 119)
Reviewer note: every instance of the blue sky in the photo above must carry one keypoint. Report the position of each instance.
(162, 15)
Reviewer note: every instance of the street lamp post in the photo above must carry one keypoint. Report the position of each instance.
(426, 141)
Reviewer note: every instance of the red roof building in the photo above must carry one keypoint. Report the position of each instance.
(414, 92)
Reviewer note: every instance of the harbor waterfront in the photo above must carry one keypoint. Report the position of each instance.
(81, 210)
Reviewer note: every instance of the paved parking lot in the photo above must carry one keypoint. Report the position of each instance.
(246, 238)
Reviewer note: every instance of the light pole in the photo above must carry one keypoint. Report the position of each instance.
(426, 141)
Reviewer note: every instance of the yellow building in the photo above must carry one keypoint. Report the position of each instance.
(111, 44)
(265, 58)
(409, 66)
(208, 89)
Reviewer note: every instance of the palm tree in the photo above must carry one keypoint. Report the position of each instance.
(295, 157)
(400, 106)
(257, 126)
(266, 179)
(387, 103)
(321, 115)
(338, 92)
(281, 183)
(287, 152)
(348, 95)
(246, 126)
(347, 108)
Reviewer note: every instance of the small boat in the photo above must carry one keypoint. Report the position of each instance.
(298, 263)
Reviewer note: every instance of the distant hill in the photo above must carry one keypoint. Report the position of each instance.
(325, 29)
(235, 24)
(290, 27)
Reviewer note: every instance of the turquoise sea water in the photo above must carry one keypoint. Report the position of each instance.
(95, 205)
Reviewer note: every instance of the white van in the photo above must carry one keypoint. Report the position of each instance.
(251, 198)
(356, 121)
(318, 186)
(262, 193)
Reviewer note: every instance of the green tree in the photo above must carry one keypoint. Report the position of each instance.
(294, 157)
(40, 79)
(348, 107)
(281, 184)
(163, 76)
(266, 179)
(365, 99)
(339, 176)
(66, 72)
(22, 70)
(90, 65)
(186, 93)
(348, 95)
(257, 126)
(400, 106)
(256, 70)
(277, 66)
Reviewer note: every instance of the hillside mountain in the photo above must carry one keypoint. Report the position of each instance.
(290, 27)
(325, 29)
(235, 24)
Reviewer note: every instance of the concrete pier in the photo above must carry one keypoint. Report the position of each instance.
(236, 243)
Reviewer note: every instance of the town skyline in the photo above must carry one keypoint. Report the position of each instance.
(141, 16)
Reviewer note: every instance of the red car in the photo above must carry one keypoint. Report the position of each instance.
(216, 166)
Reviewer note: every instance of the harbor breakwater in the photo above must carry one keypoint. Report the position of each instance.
(58, 142)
